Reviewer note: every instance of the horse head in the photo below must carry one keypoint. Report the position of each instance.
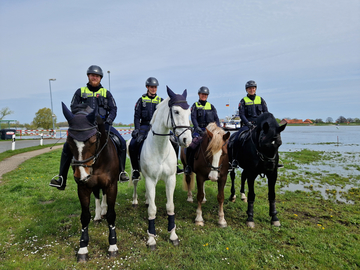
(216, 150)
(179, 117)
(83, 140)
(269, 140)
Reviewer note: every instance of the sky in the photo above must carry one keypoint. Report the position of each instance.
(303, 55)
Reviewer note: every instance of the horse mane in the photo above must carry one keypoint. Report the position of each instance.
(269, 117)
(158, 108)
(216, 142)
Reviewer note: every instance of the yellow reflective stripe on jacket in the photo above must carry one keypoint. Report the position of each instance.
(206, 107)
(85, 92)
(248, 101)
(155, 100)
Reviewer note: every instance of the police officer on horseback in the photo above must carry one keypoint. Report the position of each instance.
(251, 106)
(202, 113)
(95, 96)
(144, 110)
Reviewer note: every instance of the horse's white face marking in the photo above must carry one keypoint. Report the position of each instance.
(181, 118)
(80, 147)
(214, 175)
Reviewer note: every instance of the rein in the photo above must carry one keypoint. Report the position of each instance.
(75, 162)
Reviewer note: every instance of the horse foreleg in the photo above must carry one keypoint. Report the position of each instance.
(170, 208)
(204, 199)
(232, 177)
(251, 199)
(272, 205)
(84, 197)
(150, 192)
(110, 217)
(200, 197)
(242, 187)
(220, 197)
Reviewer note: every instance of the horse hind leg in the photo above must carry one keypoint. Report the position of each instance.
(135, 202)
(110, 217)
(221, 184)
(232, 195)
(242, 188)
(273, 214)
(188, 185)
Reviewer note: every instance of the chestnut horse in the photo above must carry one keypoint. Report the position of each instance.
(96, 167)
(211, 163)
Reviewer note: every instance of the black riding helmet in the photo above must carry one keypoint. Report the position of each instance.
(250, 84)
(204, 90)
(151, 81)
(95, 70)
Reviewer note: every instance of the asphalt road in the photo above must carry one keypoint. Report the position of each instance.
(7, 145)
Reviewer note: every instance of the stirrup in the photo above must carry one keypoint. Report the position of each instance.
(137, 178)
(55, 182)
(127, 176)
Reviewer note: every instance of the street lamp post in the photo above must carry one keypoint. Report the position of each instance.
(109, 78)
(52, 111)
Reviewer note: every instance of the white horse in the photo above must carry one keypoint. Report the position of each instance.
(158, 160)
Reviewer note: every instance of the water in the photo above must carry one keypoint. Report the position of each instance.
(331, 140)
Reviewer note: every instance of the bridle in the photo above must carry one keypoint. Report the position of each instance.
(75, 162)
(173, 124)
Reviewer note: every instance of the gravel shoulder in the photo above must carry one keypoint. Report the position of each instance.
(11, 163)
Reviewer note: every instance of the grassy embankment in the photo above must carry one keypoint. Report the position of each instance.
(40, 226)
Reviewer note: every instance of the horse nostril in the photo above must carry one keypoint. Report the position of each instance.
(184, 140)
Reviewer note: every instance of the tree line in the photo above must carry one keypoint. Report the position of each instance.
(43, 119)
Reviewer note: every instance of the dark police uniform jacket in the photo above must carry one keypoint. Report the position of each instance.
(203, 113)
(96, 97)
(250, 107)
(144, 110)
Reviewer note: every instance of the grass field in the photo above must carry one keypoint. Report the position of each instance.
(40, 225)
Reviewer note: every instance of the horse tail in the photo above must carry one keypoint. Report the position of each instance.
(192, 182)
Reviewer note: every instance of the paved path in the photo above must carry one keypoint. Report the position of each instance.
(6, 145)
(11, 163)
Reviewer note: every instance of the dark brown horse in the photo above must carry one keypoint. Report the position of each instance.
(96, 167)
(211, 163)
(257, 153)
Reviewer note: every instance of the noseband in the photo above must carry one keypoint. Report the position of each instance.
(75, 162)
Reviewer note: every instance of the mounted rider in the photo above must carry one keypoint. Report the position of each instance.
(202, 114)
(95, 96)
(144, 110)
(250, 107)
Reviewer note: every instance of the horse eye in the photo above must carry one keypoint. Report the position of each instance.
(273, 142)
(176, 112)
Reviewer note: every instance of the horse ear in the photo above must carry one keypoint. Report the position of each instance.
(265, 127)
(209, 133)
(226, 136)
(171, 94)
(281, 128)
(91, 117)
(184, 94)
(67, 113)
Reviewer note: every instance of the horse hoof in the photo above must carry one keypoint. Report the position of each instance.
(232, 199)
(97, 221)
(223, 225)
(113, 254)
(276, 223)
(81, 258)
(103, 216)
(243, 197)
(199, 223)
(250, 224)
(190, 200)
(135, 205)
(175, 242)
(152, 247)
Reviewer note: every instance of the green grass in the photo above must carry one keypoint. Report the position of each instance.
(40, 227)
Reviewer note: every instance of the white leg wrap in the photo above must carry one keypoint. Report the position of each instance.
(113, 248)
(83, 250)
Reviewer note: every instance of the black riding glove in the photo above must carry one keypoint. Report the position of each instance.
(109, 121)
(135, 133)
(250, 125)
(199, 130)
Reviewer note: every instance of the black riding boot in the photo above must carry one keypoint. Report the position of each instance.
(134, 152)
(176, 148)
(122, 161)
(189, 161)
(60, 182)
